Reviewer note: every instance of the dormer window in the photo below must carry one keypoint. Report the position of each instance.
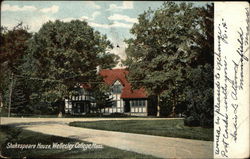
(117, 88)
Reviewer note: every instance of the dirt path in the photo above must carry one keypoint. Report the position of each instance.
(163, 147)
(12, 120)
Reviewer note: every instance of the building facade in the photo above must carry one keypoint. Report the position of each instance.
(125, 100)
(79, 104)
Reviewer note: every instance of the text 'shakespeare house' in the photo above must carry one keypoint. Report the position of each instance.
(125, 100)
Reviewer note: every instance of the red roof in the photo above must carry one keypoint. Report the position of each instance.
(112, 75)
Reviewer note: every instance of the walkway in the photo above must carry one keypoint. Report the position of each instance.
(163, 147)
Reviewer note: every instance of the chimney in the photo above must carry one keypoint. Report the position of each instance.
(98, 69)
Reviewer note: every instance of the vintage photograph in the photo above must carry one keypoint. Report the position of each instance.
(106, 79)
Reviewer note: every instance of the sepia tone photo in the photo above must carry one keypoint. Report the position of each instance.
(106, 79)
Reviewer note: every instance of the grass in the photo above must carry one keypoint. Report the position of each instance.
(16, 135)
(169, 128)
(93, 115)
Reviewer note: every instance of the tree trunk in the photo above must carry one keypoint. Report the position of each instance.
(60, 111)
(174, 105)
(60, 114)
(61, 108)
(158, 105)
(100, 114)
(1, 100)
(10, 93)
(61, 103)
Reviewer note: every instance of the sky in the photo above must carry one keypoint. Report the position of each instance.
(113, 18)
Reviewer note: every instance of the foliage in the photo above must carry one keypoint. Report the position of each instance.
(14, 43)
(200, 77)
(49, 63)
(13, 46)
(64, 54)
(101, 94)
(191, 121)
(20, 99)
(168, 47)
(200, 90)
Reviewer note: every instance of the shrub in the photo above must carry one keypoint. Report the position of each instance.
(191, 121)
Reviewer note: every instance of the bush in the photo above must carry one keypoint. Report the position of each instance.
(3, 111)
(165, 110)
(206, 120)
(200, 96)
(191, 121)
(166, 106)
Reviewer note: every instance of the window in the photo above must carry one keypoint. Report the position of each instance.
(78, 107)
(117, 89)
(81, 91)
(132, 103)
(143, 103)
(138, 103)
(114, 103)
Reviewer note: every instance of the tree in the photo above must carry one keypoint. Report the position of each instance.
(200, 90)
(64, 54)
(169, 44)
(14, 44)
(200, 78)
(20, 99)
(162, 48)
(101, 95)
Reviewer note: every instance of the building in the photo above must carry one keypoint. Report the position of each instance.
(125, 100)
(79, 104)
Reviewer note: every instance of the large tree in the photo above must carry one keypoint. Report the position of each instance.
(199, 83)
(64, 54)
(14, 43)
(167, 44)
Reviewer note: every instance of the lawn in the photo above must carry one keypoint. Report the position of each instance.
(16, 135)
(169, 128)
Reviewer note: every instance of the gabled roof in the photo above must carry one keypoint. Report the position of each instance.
(112, 75)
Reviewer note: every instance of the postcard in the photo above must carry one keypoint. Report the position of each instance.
(124, 79)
